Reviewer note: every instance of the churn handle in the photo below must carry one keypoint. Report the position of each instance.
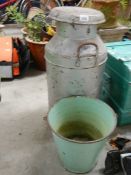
(78, 53)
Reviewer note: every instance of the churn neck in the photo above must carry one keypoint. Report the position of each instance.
(76, 31)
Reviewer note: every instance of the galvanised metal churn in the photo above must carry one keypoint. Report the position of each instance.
(75, 56)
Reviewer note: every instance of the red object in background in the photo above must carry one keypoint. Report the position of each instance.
(5, 4)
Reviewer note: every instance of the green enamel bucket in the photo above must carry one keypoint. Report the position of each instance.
(80, 127)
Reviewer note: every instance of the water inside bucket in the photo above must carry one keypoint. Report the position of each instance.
(79, 131)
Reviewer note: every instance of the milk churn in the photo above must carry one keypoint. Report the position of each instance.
(75, 56)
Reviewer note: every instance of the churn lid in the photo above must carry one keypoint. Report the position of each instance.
(77, 15)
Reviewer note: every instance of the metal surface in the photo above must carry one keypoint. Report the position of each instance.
(75, 59)
(6, 72)
(13, 30)
(78, 53)
(81, 156)
(77, 15)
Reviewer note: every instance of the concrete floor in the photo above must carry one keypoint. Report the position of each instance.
(26, 145)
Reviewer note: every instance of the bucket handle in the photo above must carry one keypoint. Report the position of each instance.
(78, 53)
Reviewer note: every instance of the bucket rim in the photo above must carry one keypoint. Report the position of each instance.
(83, 142)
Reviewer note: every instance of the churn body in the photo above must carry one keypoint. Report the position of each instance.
(75, 56)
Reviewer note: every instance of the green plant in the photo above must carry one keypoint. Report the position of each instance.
(13, 14)
(33, 26)
(124, 4)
